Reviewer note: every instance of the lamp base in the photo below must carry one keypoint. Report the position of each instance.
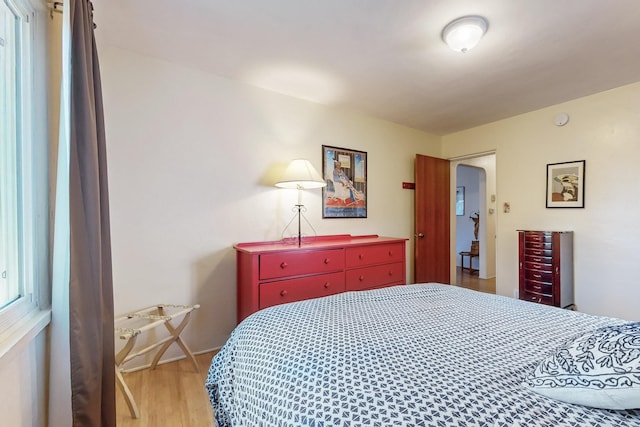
(299, 210)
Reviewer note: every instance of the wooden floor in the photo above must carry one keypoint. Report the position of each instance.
(465, 279)
(171, 395)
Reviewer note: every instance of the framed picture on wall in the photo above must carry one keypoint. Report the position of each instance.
(460, 201)
(345, 172)
(565, 184)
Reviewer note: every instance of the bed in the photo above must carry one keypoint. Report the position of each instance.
(415, 355)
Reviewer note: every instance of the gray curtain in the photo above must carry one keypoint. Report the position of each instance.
(91, 286)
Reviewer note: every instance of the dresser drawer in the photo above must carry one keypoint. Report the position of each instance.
(538, 266)
(377, 254)
(539, 237)
(287, 264)
(372, 277)
(538, 287)
(284, 291)
(538, 246)
(539, 298)
(538, 259)
(539, 275)
(547, 253)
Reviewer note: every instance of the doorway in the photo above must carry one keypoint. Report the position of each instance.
(475, 177)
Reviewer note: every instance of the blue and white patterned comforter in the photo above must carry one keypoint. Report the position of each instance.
(416, 355)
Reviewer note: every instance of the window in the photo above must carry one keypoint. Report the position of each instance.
(23, 169)
(10, 288)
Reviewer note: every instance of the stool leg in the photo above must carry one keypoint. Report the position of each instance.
(175, 333)
(128, 396)
(184, 347)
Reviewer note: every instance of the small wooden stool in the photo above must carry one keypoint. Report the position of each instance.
(472, 253)
(129, 326)
(471, 257)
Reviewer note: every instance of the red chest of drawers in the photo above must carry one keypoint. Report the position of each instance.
(271, 273)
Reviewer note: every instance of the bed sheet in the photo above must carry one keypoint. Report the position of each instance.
(415, 355)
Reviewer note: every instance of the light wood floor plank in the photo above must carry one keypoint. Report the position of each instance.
(172, 395)
(468, 280)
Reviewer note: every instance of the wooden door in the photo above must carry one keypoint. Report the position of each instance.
(432, 253)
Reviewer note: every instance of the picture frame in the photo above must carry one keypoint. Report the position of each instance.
(345, 171)
(460, 201)
(565, 184)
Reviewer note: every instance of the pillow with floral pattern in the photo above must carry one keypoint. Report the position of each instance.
(600, 369)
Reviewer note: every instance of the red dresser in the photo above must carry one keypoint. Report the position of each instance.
(271, 273)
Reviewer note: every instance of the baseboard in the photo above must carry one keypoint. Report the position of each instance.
(170, 360)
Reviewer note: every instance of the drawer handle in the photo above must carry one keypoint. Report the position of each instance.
(283, 292)
(537, 287)
(327, 260)
(537, 266)
(537, 276)
(537, 259)
(361, 278)
(390, 272)
(360, 257)
(390, 253)
(326, 285)
(284, 265)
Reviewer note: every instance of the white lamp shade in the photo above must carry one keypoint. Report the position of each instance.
(464, 33)
(302, 175)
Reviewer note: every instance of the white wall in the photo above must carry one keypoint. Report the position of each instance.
(604, 130)
(22, 385)
(192, 159)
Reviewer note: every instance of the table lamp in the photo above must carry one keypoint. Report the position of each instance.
(301, 175)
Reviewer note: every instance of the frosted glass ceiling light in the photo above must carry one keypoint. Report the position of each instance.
(464, 33)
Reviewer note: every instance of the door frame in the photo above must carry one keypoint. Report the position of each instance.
(488, 211)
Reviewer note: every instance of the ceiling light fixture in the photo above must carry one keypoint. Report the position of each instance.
(464, 33)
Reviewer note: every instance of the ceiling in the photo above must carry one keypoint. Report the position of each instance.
(386, 58)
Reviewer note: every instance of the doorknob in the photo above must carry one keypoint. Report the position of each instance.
(420, 236)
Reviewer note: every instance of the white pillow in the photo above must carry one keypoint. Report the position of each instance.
(600, 369)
